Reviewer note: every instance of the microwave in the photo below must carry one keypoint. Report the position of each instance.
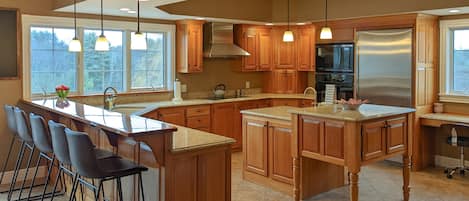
(335, 57)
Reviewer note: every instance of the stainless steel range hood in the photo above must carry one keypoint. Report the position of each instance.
(218, 41)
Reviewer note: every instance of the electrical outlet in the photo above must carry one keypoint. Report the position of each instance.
(248, 84)
(184, 88)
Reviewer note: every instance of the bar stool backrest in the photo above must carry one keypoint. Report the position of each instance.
(82, 154)
(59, 142)
(11, 118)
(40, 132)
(22, 126)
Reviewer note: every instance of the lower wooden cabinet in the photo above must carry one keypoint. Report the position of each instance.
(267, 148)
(172, 115)
(238, 132)
(384, 137)
(223, 119)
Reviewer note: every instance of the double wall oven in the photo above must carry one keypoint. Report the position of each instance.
(334, 65)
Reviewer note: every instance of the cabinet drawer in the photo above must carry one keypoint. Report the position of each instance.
(198, 111)
(198, 122)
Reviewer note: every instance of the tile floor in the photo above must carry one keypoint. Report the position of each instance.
(378, 182)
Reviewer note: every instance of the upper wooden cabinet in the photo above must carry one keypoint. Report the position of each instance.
(306, 44)
(189, 46)
(285, 53)
(257, 41)
(285, 81)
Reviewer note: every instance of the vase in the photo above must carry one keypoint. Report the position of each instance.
(62, 103)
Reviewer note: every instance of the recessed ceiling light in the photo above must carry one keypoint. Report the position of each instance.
(124, 9)
(269, 24)
(300, 23)
(131, 12)
(454, 11)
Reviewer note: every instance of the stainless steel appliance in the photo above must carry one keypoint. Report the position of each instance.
(218, 41)
(334, 58)
(384, 65)
(342, 81)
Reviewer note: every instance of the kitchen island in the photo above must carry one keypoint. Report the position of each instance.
(185, 164)
(329, 134)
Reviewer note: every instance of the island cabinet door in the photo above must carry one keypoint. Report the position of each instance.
(280, 158)
(334, 139)
(255, 146)
(396, 131)
(374, 140)
(311, 134)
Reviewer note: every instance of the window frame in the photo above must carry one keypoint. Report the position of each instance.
(446, 93)
(127, 27)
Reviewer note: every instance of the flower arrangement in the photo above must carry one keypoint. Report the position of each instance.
(62, 91)
(351, 104)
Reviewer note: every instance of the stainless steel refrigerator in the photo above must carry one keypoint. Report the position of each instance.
(384, 66)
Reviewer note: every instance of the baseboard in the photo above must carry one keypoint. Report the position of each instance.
(444, 161)
(9, 175)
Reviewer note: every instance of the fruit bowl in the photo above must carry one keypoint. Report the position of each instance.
(351, 104)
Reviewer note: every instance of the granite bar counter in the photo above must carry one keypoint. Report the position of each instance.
(192, 160)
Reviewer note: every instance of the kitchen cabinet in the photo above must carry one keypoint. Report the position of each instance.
(189, 46)
(285, 81)
(384, 137)
(198, 117)
(280, 155)
(172, 115)
(306, 48)
(285, 53)
(285, 102)
(257, 41)
(223, 119)
(256, 146)
(238, 132)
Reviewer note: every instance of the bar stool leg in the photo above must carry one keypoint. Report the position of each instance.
(141, 186)
(15, 173)
(119, 189)
(56, 182)
(96, 192)
(31, 154)
(8, 159)
(34, 177)
(47, 178)
(74, 187)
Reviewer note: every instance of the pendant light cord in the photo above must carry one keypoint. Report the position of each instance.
(288, 15)
(138, 16)
(75, 16)
(326, 13)
(102, 19)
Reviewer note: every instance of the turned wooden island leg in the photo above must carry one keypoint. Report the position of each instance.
(406, 176)
(353, 178)
(296, 179)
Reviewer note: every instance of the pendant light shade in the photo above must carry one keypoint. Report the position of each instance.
(139, 41)
(288, 34)
(102, 44)
(326, 31)
(75, 44)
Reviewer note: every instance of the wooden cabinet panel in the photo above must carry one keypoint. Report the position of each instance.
(334, 139)
(172, 115)
(311, 133)
(198, 110)
(211, 168)
(420, 85)
(184, 178)
(264, 48)
(396, 131)
(306, 103)
(199, 122)
(189, 46)
(256, 147)
(373, 140)
(339, 35)
(250, 45)
(238, 132)
(280, 155)
(264, 103)
(223, 116)
(284, 52)
(285, 102)
(306, 49)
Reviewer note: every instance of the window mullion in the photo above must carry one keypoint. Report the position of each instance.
(80, 64)
(128, 62)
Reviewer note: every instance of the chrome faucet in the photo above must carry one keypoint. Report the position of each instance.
(109, 99)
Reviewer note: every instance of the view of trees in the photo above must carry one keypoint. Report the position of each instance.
(461, 61)
(52, 64)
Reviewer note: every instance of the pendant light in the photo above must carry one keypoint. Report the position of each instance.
(75, 44)
(288, 34)
(326, 32)
(102, 44)
(139, 42)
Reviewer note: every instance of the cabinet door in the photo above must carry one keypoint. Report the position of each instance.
(374, 140)
(238, 131)
(199, 122)
(290, 81)
(264, 103)
(223, 116)
(305, 47)
(172, 115)
(334, 139)
(255, 149)
(281, 160)
(250, 45)
(396, 131)
(285, 102)
(265, 50)
(311, 134)
(195, 57)
(284, 52)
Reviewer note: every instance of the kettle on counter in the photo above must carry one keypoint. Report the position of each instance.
(219, 91)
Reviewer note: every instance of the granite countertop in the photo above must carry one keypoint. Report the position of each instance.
(365, 112)
(461, 118)
(186, 139)
(150, 106)
(279, 112)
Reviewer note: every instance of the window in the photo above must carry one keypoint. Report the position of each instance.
(51, 63)
(47, 62)
(148, 66)
(454, 58)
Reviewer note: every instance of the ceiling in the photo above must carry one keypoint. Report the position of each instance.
(266, 11)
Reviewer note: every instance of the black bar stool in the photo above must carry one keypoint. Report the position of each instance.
(83, 158)
(459, 137)
(61, 152)
(24, 132)
(11, 121)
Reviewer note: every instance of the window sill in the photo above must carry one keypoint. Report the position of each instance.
(453, 98)
(129, 93)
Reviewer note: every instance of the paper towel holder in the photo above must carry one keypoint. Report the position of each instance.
(177, 91)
